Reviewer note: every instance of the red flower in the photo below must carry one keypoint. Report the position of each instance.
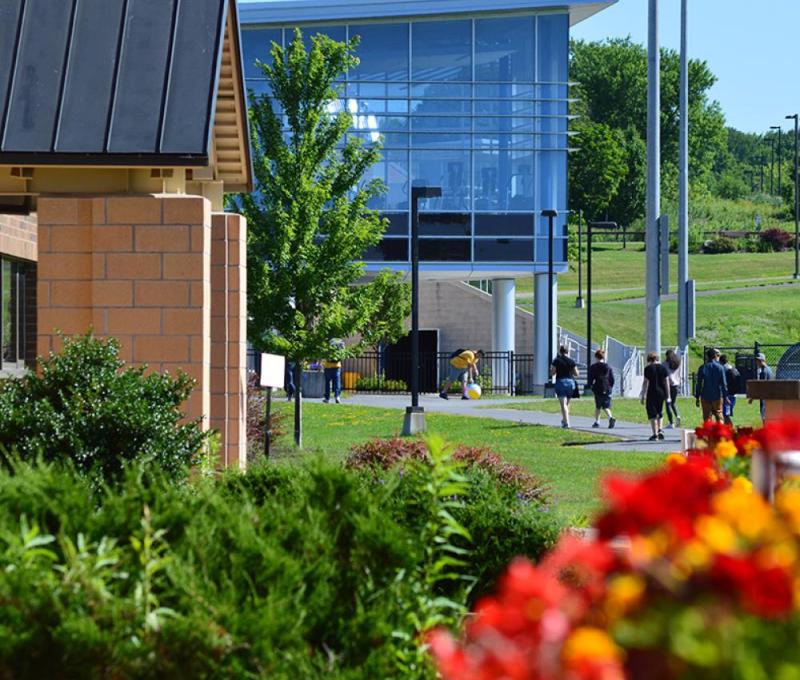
(581, 565)
(763, 591)
(780, 435)
(671, 497)
(712, 432)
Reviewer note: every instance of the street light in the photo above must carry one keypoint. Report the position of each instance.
(550, 215)
(590, 226)
(579, 299)
(796, 204)
(771, 141)
(414, 421)
(778, 128)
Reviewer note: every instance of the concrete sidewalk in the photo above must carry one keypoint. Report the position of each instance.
(632, 436)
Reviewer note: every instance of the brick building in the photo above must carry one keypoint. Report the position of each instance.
(122, 125)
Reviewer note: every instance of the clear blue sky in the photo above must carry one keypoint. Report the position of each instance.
(750, 47)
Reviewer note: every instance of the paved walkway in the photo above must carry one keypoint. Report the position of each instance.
(632, 436)
(710, 293)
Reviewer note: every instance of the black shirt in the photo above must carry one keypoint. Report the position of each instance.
(564, 367)
(600, 377)
(656, 375)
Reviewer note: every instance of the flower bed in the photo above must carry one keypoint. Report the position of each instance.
(707, 585)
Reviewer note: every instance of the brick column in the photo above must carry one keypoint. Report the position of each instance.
(228, 336)
(137, 268)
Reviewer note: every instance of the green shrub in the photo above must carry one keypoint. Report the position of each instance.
(86, 407)
(380, 383)
(720, 245)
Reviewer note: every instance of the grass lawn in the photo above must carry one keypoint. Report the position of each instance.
(571, 470)
(631, 410)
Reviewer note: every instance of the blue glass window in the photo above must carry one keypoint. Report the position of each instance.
(504, 224)
(388, 250)
(552, 48)
(504, 49)
(503, 250)
(441, 50)
(257, 44)
(503, 180)
(449, 170)
(392, 169)
(440, 140)
(552, 180)
(383, 52)
(445, 250)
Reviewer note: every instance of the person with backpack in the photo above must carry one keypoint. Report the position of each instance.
(763, 372)
(655, 391)
(601, 383)
(463, 368)
(564, 370)
(673, 365)
(733, 378)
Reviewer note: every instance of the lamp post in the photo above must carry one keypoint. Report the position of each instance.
(778, 128)
(579, 299)
(590, 226)
(414, 421)
(550, 215)
(771, 165)
(796, 203)
(761, 169)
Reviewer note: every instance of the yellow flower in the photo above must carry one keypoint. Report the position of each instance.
(742, 484)
(716, 533)
(725, 449)
(676, 459)
(748, 513)
(624, 593)
(590, 644)
(695, 555)
(788, 503)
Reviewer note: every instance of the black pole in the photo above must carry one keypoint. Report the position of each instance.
(771, 166)
(579, 301)
(761, 167)
(414, 423)
(589, 293)
(298, 403)
(267, 423)
(796, 203)
(778, 128)
(550, 215)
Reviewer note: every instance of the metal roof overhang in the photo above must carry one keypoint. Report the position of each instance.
(124, 83)
(303, 11)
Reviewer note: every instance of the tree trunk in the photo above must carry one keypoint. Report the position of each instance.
(298, 404)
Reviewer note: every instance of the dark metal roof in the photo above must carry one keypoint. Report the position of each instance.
(109, 82)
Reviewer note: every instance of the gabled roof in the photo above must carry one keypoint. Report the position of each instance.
(302, 11)
(121, 82)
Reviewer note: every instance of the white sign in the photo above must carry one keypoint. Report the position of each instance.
(273, 367)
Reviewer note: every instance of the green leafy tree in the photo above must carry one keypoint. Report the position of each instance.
(309, 224)
(597, 168)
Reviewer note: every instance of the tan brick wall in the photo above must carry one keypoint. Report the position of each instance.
(228, 335)
(18, 236)
(137, 268)
(463, 316)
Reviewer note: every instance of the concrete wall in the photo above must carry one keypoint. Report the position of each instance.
(463, 316)
(139, 268)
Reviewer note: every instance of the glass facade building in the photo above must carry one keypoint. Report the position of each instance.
(476, 104)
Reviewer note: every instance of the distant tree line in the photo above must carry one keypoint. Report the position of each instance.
(608, 169)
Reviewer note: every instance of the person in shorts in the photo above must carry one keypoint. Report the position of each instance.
(601, 383)
(672, 362)
(564, 370)
(463, 369)
(655, 391)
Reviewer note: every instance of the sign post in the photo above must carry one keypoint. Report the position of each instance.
(273, 370)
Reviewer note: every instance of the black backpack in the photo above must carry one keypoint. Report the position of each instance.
(734, 380)
(453, 355)
(601, 383)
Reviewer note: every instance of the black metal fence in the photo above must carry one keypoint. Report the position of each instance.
(389, 372)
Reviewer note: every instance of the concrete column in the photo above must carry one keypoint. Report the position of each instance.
(503, 327)
(653, 256)
(540, 330)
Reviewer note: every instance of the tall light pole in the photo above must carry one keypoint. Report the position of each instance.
(551, 215)
(771, 141)
(653, 325)
(796, 203)
(683, 189)
(761, 169)
(414, 421)
(778, 128)
(579, 299)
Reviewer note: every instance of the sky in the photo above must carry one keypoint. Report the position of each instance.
(749, 45)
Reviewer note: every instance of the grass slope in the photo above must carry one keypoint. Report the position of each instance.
(572, 471)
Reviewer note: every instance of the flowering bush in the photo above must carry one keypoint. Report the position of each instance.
(730, 448)
(691, 575)
(386, 453)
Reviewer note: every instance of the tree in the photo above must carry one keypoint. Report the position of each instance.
(309, 225)
(597, 168)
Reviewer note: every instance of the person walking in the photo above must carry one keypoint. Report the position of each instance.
(655, 391)
(711, 388)
(288, 380)
(733, 380)
(464, 369)
(672, 363)
(565, 370)
(600, 380)
(763, 372)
